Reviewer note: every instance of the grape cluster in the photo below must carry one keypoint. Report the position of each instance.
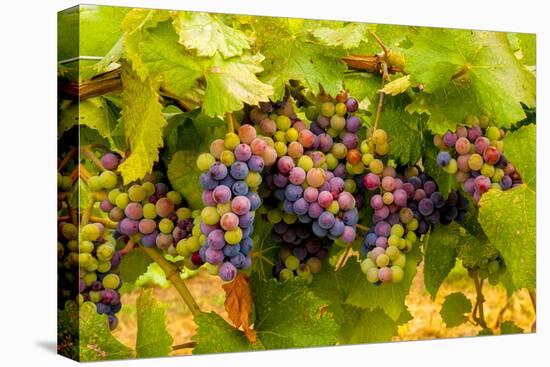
(490, 266)
(92, 254)
(475, 156)
(405, 206)
(230, 180)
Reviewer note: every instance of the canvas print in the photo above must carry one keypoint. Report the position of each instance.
(232, 183)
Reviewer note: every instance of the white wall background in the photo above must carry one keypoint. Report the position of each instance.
(28, 181)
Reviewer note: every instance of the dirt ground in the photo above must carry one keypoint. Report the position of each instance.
(426, 322)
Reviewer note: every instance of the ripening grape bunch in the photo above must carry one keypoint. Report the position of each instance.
(405, 206)
(476, 157)
(93, 253)
(230, 180)
(490, 266)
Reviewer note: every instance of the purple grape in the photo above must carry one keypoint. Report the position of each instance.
(213, 256)
(382, 229)
(293, 192)
(106, 205)
(443, 159)
(246, 220)
(149, 240)
(134, 211)
(371, 181)
(246, 246)
(350, 140)
(255, 200)
(207, 182)
(351, 104)
(243, 152)
(301, 206)
(215, 240)
(110, 161)
(207, 228)
(227, 272)
(220, 195)
(429, 187)
(325, 142)
(322, 121)
(450, 139)
(506, 182)
(474, 132)
(400, 197)
(425, 207)
(326, 220)
(349, 234)
(382, 242)
(318, 230)
(161, 189)
(438, 200)
(256, 164)
(280, 180)
(353, 124)
(351, 217)
(338, 228)
(239, 170)
(315, 210)
(370, 239)
(239, 188)
(129, 226)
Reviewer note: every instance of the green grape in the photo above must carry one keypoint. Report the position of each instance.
(89, 278)
(286, 274)
(231, 141)
(69, 231)
(327, 109)
(212, 269)
(122, 200)
(205, 161)
(487, 170)
(400, 261)
(308, 277)
(382, 149)
(366, 265)
(372, 275)
(108, 179)
(149, 188)
(376, 166)
(166, 225)
(105, 252)
(312, 112)
(338, 123)
(382, 260)
(367, 158)
(493, 133)
(331, 161)
(90, 232)
(227, 158)
(397, 274)
(104, 266)
(193, 244)
(210, 216)
(291, 134)
(183, 213)
(149, 211)
(451, 168)
(94, 183)
(95, 297)
(493, 267)
(275, 215)
(398, 230)
(475, 162)
(85, 259)
(113, 194)
(111, 281)
(283, 123)
(280, 136)
(393, 253)
(340, 109)
(182, 249)
(223, 208)
(137, 193)
(412, 225)
(334, 207)
(289, 218)
(253, 180)
(379, 137)
(314, 264)
(411, 237)
(233, 236)
(393, 240)
(292, 262)
(72, 246)
(280, 148)
(339, 150)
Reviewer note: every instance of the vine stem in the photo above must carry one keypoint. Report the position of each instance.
(479, 301)
(130, 245)
(105, 221)
(230, 122)
(70, 155)
(362, 227)
(172, 274)
(381, 95)
(88, 153)
(184, 346)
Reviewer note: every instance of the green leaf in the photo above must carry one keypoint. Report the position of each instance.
(95, 113)
(288, 315)
(335, 286)
(80, 196)
(184, 177)
(388, 297)
(207, 34)
(445, 182)
(96, 341)
(454, 308)
(397, 86)
(508, 327)
(485, 332)
(364, 87)
(135, 26)
(367, 326)
(520, 149)
(68, 330)
(153, 340)
(215, 335)
(134, 264)
(391, 35)
(526, 43)
(479, 65)
(472, 250)
(143, 124)
(348, 36)
(405, 131)
(163, 56)
(291, 55)
(440, 250)
(509, 220)
(231, 82)
(266, 249)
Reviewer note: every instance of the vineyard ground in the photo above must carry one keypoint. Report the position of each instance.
(426, 322)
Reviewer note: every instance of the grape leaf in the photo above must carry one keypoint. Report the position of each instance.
(288, 315)
(215, 335)
(95, 113)
(525, 46)
(238, 304)
(509, 217)
(231, 82)
(508, 327)
(509, 220)
(479, 64)
(184, 177)
(473, 249)
(485, 332)
(388, 297)
(454, 308)
(163, 56)
(134, 264)
(440, 250)
(405, 131)
(397, 86)
(520, 149)
(153, 340)
(348, 36)
(367, 326)
(135, 26)
(391, 35)
(335, 286)
(68, 330)
(291, 55)
(207, 34)
(265, 247)
(364, 87)
(445, 182)
(96, 341)
(143, 123)
(80, 196)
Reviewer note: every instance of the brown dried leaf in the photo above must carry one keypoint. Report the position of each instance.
(238, 304)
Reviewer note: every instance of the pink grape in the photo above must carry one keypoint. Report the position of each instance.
(268, 127)
(325, 199)
(295, 150)
(371, 181)
(481, 144)
(311, 194)
(207, 198)
(306, 138)
(297, 175)
(164, 207)
(258, 146)
(240, 205)
(491, 155)
(285, 164)
(147, 226)
(462, 146)
(221, 194)
(349, 234)
(247, 133)
(134, 211)
(229, 221)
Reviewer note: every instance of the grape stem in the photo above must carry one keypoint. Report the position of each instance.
(64, 218)
(184, 346)
(172, 275)
(381, 95)
(70, 155)
(130, 245)
(362, 227)
(230, 122)
(478, 312)
(105, 221)
(88, 153)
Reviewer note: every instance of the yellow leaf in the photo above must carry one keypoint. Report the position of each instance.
(397, 86)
